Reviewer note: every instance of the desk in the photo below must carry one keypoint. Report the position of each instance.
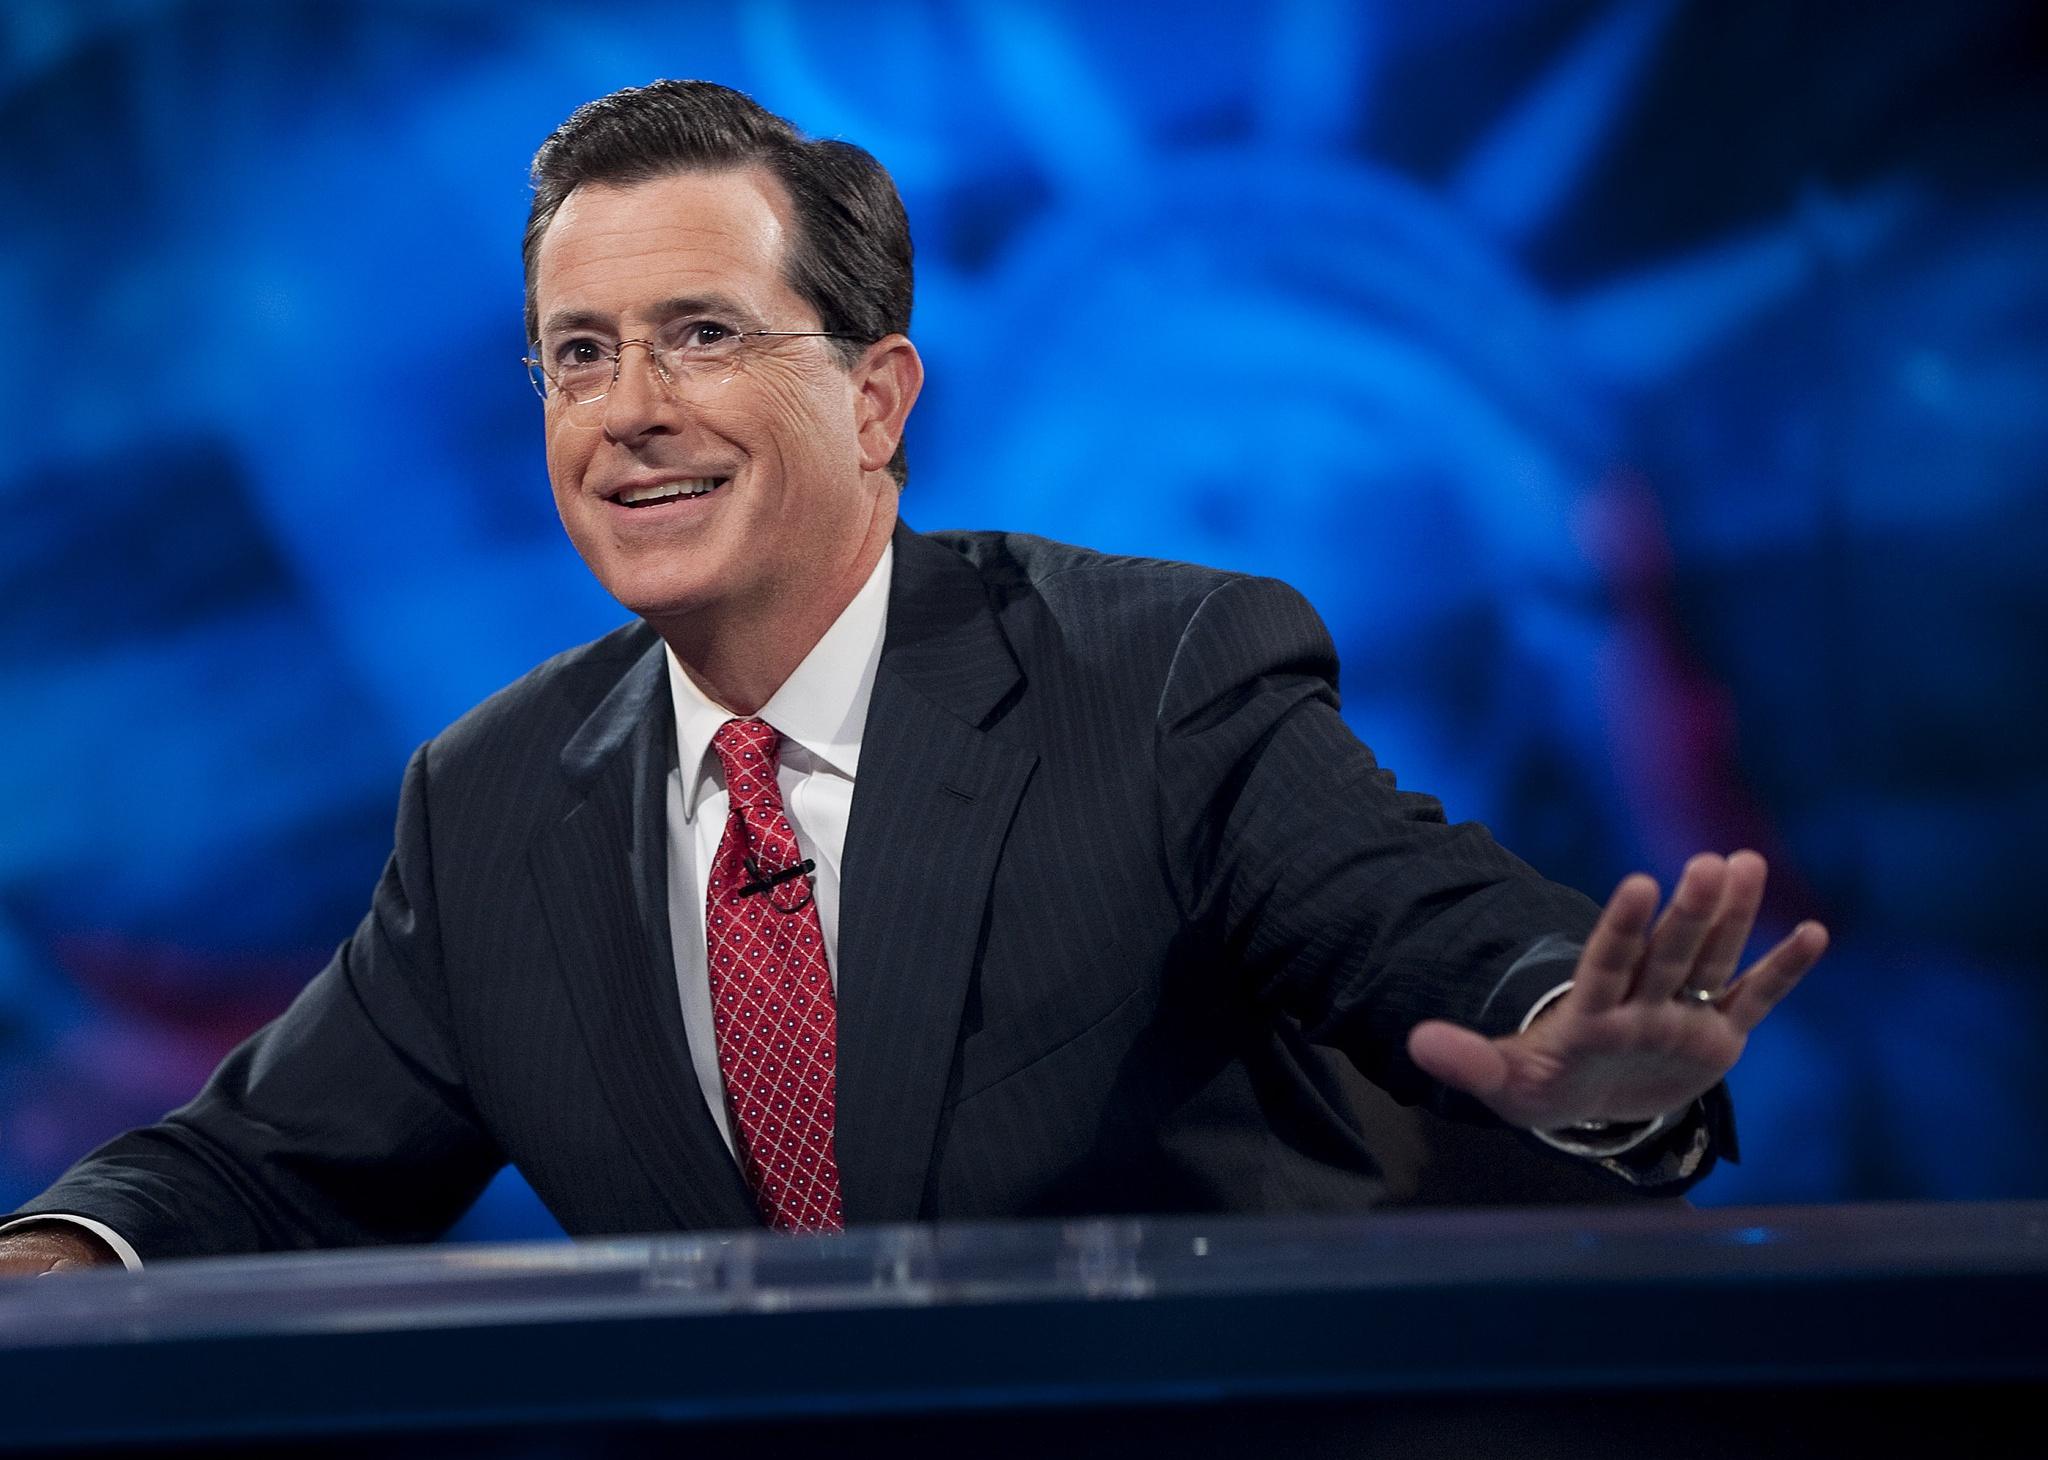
(1586, 1331)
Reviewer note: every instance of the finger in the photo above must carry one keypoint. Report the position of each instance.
(1774, 975)
(1740, 899)
(1608, 966)
(1458, 1057)
(1676, 940)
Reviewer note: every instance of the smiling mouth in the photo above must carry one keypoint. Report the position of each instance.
(669, 491)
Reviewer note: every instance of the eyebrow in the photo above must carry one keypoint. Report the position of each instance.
(668, 309)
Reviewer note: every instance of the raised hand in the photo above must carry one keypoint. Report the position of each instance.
(1655, 1015)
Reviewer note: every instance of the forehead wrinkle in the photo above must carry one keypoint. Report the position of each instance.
(709, 280)
(660, 224)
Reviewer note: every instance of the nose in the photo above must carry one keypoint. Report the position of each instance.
(641, 401)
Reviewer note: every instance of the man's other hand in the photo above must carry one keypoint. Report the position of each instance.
(1655, 1014)
(50, 1247)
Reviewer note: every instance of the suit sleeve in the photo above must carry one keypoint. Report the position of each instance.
(344, 1121)
(1352, 906)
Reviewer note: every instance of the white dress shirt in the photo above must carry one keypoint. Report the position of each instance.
(820, 711)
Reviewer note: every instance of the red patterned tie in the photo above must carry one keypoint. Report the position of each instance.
(771, 994)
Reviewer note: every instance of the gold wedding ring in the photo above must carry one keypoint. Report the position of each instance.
(1690, 995)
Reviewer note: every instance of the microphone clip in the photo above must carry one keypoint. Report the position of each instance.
(760, 881)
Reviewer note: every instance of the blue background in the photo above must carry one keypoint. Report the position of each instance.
(1649, 395)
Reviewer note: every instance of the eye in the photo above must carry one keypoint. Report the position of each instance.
(704, 336)
(577, 351)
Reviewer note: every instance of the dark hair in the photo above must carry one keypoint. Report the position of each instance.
(849, 258)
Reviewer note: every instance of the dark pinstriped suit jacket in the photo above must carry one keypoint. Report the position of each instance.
(1117, 879)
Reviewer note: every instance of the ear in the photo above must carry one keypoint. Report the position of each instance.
(886, 382)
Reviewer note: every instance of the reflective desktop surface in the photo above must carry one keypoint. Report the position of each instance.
(1035, 1318)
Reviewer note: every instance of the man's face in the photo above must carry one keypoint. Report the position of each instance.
(776, 433)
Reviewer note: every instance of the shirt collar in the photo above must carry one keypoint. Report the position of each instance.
(820, 709)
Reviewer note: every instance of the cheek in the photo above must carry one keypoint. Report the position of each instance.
(567, 457)
(790, 413)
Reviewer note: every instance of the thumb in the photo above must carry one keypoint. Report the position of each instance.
(1458, 1057)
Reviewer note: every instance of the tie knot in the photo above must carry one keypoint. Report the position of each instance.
(748, 751)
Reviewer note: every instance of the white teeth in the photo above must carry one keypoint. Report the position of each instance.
(662, 492)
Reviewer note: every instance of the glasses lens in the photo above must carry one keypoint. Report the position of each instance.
(585, 380)
(700, 358)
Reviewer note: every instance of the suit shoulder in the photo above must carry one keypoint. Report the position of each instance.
(1079, 580)
(1118, 594)
(1134, 623)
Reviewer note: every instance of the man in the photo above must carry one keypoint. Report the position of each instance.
(878, 877)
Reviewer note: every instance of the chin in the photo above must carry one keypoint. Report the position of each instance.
(647, 579)
(660, 603)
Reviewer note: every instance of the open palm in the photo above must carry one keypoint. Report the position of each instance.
(1656, 1013)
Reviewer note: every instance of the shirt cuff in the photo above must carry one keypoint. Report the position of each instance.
(129, 1257)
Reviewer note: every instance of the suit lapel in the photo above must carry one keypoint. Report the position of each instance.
(602, 872)
(932, 806)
